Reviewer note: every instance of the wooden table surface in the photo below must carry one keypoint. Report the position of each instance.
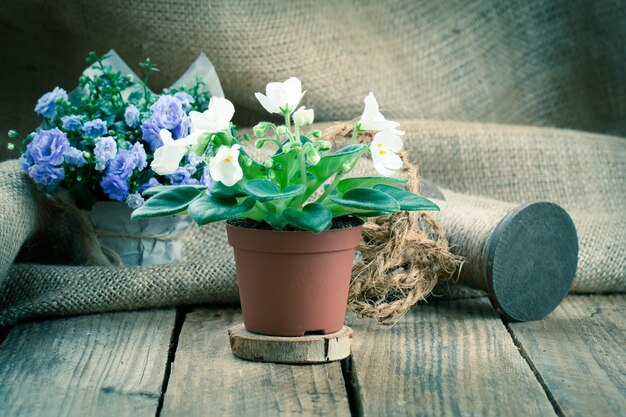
(446, 358)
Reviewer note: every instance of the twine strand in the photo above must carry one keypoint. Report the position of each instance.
(403, 255)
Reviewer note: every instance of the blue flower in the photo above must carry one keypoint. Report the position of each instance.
(131, 116)
(206, 177)
(167, 112)
(47, 147)
(115, 187)
(179, 176)
(152, 182)
(24, 162)
(185, 99)
(95, 128)
(138, 153)
(105, 151)
(150, 133)
(72, 123)
(134, 200)
(46, 174)
(46, 105)
(122, 165)
(182, 130)
(191, 181)
(74, 156)
(193, 159)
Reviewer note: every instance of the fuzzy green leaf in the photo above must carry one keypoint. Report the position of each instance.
(366, 199)
(286, 166)
(171, 201)
(266, 190)
(313, 217)
(366, 182)
(209, 209)
(331, 164)
(220, 190)
(160, 188)
(406, 199)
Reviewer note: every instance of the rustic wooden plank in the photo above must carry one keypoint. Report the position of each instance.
(580, 353)
(452, 358)
(94, 365)
(207, 379)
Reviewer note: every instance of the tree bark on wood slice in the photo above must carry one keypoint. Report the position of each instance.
(304, 349)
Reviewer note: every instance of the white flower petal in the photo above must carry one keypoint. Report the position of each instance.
(382, 170)
(280, 96)
(267, 103)
(389, 140)
(167, 158)
(224, 166)
(391, 160)
(166, 136)
(223, 112)
(293, 92)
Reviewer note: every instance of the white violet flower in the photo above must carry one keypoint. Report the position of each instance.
(215, 119)
(303, 116)
(372, 118)
(281, 98)
(224, 166)
(168, 157)
(384, 150)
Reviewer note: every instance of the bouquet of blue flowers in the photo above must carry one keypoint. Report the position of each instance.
(98, 141)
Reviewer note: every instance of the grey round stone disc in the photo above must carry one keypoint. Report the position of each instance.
(302, 349)
(530, 260)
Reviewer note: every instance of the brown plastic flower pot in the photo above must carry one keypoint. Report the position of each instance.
(293, 283)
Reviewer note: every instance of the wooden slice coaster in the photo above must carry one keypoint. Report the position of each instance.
(277, 349)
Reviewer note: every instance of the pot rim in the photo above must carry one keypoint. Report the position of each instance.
(297, 241)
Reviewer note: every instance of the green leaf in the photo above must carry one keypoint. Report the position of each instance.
(406, 199)
(313, 217)
(202, 144)
(209, 209)
(366, 182)
(168, 202)
(220, 190)
(286, 166)
(135, 96)
(331, 164)
(366, 199)
(266, 190)
(160, 188)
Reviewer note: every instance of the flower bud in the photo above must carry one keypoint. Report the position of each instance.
(12, 133)
(281, 130)
(246, 160)
(261, 129)
(87, 155)
(271, 174)
(268, 163)
(303, 116)
(312, 156)
(286, 147)
(10, 146)
(345, 167)
(324, 145)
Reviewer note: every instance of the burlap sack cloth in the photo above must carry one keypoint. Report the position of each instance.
(533, 63)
